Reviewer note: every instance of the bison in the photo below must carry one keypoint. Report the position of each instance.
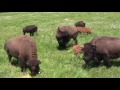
(85, 30)
(30, 29)
(80, 24)
(77, 49)
(102, 48)
(65, 34)
(24, 49)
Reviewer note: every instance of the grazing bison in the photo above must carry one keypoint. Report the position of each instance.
(102, 48)
(24, 49)
(30, 29)
(80, 24)
(77, 49)
(64, 35)
(84, 30)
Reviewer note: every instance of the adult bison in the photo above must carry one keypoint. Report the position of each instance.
(80, 24)
(24, 49)
(30, 29)
(65, 34)
(102, 48)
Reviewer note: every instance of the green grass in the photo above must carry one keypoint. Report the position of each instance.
(56, 63)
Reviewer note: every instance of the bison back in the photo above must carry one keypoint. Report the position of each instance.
(105, 44)
(70, 30)
(19, 45)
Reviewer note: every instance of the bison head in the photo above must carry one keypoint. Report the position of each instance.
(33, 66)
(62, 38)
(88, 50)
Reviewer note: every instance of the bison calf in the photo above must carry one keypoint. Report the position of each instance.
(80, 24)
(24, 49)
(30, 29)
(77, 49)
(84, 30)
(65, 34)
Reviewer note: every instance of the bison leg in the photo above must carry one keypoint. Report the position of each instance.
(23, 33)
(22, 69)
(22, 64)
(36, 33)
(9, 56)
(75, 39)
(96, 61)
(30, 34)
(62, 43)
(107, 61)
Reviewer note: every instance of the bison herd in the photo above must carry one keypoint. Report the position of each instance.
(24, 49)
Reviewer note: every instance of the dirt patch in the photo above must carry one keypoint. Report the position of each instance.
(25, 76)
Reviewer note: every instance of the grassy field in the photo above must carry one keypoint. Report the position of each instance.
(56, 63)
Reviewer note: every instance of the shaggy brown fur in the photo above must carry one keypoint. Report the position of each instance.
(102, 48)
(65, 34)
(24, 49)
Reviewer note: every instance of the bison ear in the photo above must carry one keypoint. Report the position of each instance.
(94, 47)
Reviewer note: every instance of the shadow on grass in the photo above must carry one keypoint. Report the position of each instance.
(116, 63)
(88, 66)
(65, 48)
(92, 65)
(14, 62)
(61, 48)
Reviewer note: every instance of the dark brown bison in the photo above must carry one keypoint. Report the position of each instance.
(85, 30)
(80, 24)
(30, 29)
(102, 48)
(24, 49)
(65, 34)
